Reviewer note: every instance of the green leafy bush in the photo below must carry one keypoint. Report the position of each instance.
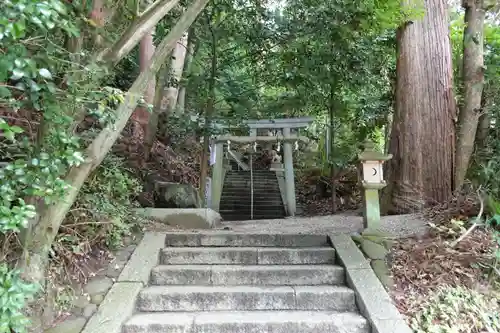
(458, 310)
(107, 198)
(14, 293)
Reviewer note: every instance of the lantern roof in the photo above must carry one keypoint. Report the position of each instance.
(370, 153)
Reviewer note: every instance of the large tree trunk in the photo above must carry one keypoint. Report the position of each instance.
(35, 254)
(473, 78)
(423, 134)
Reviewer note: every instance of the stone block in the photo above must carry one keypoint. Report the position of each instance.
(373, 250)
(144, 258)
(229, 238)
(280, 322)
(117, 307)
(204, 255)
(215, 298)
(159, 323)
(296, 256)
(390, 326)
(177, 239)
(331, 298)
(371, 298)
(348, 254)
(278, 275)
(188, 218)
(181, 275)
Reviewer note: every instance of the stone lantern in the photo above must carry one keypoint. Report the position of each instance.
(373, 180)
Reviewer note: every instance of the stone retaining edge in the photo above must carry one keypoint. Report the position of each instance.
(144, 258)
(116, 308)
(371, 298)
(120, 302)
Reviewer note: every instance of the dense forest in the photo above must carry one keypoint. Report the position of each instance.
(97, 95)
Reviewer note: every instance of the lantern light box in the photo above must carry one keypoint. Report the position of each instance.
(373, 172)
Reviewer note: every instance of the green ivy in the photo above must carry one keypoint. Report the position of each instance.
(35, 165)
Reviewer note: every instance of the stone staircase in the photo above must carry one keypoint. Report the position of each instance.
(235, 204)
(246, 283)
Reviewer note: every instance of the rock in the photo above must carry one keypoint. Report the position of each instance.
(388, 244)
(89, 310)
(174, 195)
(68, 326)
(357, 238)
(127, 240)
(201, 218)
(383, 273)
(114, 268)
(81, 301)
(98, 285)
(376, 233)
(373, 250)
(97, 299)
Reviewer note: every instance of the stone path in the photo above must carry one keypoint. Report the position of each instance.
(397, 225)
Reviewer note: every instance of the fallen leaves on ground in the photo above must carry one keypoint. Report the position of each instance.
(420, 266)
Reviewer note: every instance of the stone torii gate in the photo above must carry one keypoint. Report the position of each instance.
(285, 126)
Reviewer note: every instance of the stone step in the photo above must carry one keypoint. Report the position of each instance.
(245, 298)
(234, 275)
(248, 322)
(235, 239)
(229, 214)
(246, 195)
(236, 217)
(233, 207)
(246, 256)
(247, 188)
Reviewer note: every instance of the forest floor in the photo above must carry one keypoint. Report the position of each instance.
(424, 266)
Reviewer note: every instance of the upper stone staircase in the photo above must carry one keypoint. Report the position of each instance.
(246, 283)
(235, 203)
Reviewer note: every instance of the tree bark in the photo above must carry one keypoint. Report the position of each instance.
(423, 134)
(177, 66)
(483, 128)
(473, 78)
(146, 51)
(137, 30)
(208, 118)
(181, 98)
(35, 255)
(166, 94)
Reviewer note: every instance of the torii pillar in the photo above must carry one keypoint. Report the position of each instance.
(289, 173)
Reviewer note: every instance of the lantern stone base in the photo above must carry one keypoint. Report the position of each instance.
(371, 214)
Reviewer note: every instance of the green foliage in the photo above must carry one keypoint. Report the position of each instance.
(13, 295)
(457, 310)
(107, 197)
(27, 70)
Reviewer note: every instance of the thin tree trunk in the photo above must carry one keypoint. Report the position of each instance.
(483, 129)
(178, 59)
(181, 98)
(331, 109)
(35, 254)
(473, 78)
(146, 51)
(166, 95)
(423, 135)
(136, 31)
(208, 119)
